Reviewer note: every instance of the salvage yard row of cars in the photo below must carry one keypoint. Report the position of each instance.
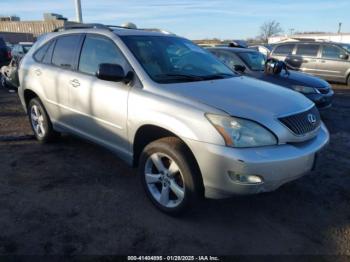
(254, 64)
(194, 124)
(10, 56)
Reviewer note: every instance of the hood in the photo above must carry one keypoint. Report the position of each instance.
(292, 78)
(243, 97)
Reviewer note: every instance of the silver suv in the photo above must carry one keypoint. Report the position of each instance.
(328, 60)
(192, 126)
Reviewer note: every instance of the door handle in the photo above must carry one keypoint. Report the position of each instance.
(37, 72)
(75, 82)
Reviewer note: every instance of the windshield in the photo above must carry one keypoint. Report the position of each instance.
(168, 59)
(254, 60)
(346, 46)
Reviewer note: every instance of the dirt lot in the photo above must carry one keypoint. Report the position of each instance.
(73, 197)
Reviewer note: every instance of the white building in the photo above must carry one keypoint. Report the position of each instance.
(340, 38)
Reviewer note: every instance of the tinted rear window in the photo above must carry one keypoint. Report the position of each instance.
(65, 51)
(39, 55)
(308, 50)
(332, 52)
(284, 49)
(47, 57)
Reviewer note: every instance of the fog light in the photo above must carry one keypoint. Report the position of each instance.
(245, 179)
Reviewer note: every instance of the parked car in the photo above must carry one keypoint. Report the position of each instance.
(192, 126)
(264, 49)
(9, 45)
(20, 49)
(252, 63)
(328, 60)
(5, 53)
(238, 43)
(9, 75)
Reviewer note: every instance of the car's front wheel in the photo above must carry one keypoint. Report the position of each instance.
(40, 121)
(169, 175)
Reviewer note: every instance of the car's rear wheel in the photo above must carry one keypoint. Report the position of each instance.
(40, 121)
(169, 175)
(348, 80)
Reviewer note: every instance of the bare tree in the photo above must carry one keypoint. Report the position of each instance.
(269, 28)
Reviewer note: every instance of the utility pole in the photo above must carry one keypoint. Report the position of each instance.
(339, 27)
(291, 31)
(79, 16)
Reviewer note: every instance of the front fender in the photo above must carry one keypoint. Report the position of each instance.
(185, 121)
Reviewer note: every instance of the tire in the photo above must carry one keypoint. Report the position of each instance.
(40, 122)
(348, 82)
(166, 166)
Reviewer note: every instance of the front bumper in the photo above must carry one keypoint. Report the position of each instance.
(276, 165)
(322, 101)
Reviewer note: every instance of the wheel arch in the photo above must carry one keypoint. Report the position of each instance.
(29, 95)
(148, 133)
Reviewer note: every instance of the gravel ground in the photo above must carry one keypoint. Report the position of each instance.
(73, 197)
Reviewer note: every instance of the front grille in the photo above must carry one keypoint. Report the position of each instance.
(323, 90)
(304, 122)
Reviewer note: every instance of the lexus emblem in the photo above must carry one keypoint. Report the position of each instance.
(311, 118)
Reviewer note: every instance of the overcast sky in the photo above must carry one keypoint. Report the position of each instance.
(197, 18)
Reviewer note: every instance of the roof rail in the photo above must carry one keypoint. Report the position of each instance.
(157, 30)
(120, 27)
(81, 26)
(107, 27)
(144, 29)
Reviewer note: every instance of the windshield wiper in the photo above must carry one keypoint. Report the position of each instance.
(189, 77)
(217, 76)
(183, 76)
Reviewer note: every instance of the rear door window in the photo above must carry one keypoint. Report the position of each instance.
(308, 49)
(65, 51)
(332, 52)
(284, 49)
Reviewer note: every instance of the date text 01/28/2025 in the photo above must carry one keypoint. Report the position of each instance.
(173, 258)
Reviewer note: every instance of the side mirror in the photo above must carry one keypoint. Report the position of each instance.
(110, 72)
(240, 68)
(274, 67)
(344, 56)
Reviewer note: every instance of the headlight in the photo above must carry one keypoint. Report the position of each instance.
(305, 89)
(238, 132)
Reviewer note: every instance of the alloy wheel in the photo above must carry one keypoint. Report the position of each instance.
(37, 120)
(164, 180)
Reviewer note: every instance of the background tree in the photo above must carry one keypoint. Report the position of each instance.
(268, 29)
